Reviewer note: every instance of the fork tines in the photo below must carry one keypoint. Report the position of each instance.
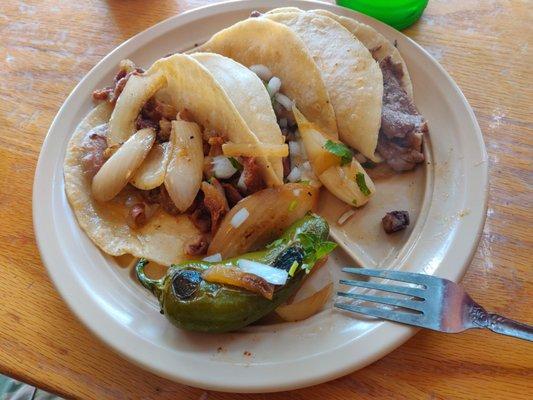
(415, 318)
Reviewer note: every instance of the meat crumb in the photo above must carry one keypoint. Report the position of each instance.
(395, 221)
(197, 246)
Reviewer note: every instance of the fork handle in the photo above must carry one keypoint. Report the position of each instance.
(506, 326)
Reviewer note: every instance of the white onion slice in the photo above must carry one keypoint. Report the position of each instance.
(222, 167)
(294, 175)
(151, 173)
(284, 101)
(345, 217)
(136, 93)
(240, 183)
(294, 148)
(118, 169)
(341, 181)
(262, 71)
(240, 217)
(270, 274)
(213, 258)
(185, 168)
(273, 86)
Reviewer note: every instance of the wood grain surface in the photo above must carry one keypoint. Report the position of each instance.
(47, 46)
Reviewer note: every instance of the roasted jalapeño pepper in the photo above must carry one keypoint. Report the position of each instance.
(194, 304)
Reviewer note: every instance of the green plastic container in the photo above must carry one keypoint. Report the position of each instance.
(397, 13)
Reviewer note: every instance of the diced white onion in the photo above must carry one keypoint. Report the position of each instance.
(222, 167)
(294, 148)
(344, 217)
(294, 175)
(296, 192)
(360, 158)
(240, 183)
(284, 101)
(307, 172)
(283, 123)
(239, 217)
(262, 72)
(270, 274)
(217, 257)
(273, 86)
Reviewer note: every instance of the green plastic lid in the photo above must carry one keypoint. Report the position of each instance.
(397, 13)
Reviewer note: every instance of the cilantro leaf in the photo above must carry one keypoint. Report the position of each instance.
(236, 164)
(360, 179)
(340, 150)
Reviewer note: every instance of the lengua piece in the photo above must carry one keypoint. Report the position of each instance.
(259, 41)
(352, 77)
(250, 97)
(161, 240)
(375, 42)
(191, 303)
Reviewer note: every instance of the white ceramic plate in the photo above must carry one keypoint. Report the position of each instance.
(446, 198)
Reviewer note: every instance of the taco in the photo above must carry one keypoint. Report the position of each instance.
(352, 77)
(402, 127)
(273, 50)
(149, 177)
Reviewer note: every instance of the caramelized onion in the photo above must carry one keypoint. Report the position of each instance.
(184, 171)
(236, 277)
(118, 169)
(151, 173)
(270, 212)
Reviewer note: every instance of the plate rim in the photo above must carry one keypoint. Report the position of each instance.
(393, 335)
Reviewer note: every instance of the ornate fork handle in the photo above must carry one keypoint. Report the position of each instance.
(500, 324)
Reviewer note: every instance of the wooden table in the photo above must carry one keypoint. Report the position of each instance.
(47, 46)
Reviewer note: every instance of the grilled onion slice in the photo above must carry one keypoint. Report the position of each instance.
(184, 171)
(118, 169)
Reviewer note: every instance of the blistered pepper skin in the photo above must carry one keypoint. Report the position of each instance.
(193, 304)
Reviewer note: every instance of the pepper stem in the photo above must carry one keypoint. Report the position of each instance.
(153, 285)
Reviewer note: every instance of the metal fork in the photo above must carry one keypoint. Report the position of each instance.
(440, 304)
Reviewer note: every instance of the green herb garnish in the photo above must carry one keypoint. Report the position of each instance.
(275, 243)
(293, 268)
(315, 248)
(340, 150)
(235, 163)
(293, 205)
(360, 179)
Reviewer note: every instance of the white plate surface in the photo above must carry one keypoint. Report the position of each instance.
(446, 198)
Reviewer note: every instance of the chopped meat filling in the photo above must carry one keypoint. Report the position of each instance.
(232, 194)
(196, 246)
(137, 216)
(160, 196)
(151, 116)
(402, 126)
(94, 146)
(252, 177)
(395, 221)
(111, 93)
(215, 202)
